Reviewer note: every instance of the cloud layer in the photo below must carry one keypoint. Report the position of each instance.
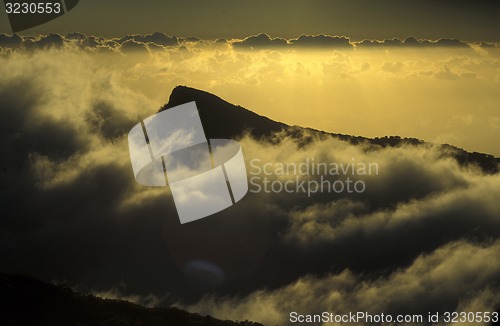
(458, 275)
(422, 236)
(260, 41)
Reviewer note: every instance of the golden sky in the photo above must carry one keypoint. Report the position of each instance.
(440, 95)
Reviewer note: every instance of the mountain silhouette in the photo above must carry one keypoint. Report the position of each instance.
(28, 301)
(222, 119)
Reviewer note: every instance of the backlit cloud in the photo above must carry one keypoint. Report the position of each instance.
(422, 236)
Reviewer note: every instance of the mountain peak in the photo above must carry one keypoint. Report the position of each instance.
(222, 119)
(180, 94)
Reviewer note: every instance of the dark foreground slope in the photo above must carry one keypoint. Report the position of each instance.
(27, 301)
(225, 120)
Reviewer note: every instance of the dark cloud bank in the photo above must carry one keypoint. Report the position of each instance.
(261, 41)
(422, 237)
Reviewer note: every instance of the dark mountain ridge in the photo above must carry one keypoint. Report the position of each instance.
(222, 119)
(28, 301)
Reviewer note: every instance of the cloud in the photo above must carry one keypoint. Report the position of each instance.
(488, 45)
(446, 73)
(155, 38)
(443, 42)
(260, 41)
(62, 148)
(132, 46)
(457, 275)
(321, 41)
(12, 41)
(72, 210)
(413, 42)
(159, 39)
(393, 67)
(149, 301)
(385, 43)
(440, 218)
(416, 192)
(51, 40)
(338, 64)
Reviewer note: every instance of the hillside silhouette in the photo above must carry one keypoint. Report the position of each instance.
(222, 119)
(28, 301)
